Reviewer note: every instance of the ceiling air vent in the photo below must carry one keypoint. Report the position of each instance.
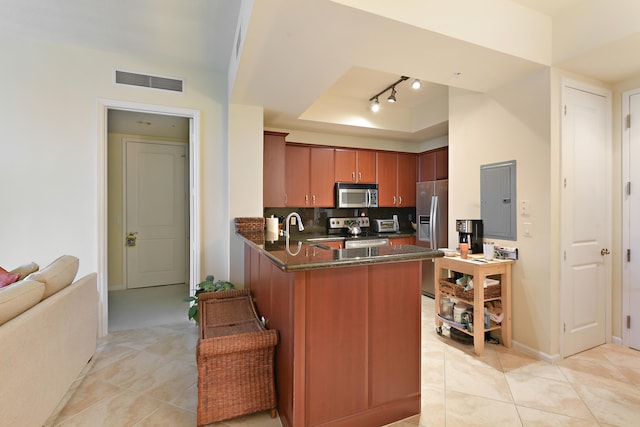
(144, 80)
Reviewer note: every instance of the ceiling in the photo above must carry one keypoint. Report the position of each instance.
(314, 64)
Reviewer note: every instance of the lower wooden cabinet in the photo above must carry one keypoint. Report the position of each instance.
(402, 241)
(349, 351)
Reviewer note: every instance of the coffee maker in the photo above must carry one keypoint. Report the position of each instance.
(470, 231)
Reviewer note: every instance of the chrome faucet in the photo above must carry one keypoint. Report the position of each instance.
(286, 223)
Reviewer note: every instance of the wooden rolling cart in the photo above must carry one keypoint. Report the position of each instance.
(479, 269)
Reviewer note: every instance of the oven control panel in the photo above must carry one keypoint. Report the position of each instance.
(360, 221)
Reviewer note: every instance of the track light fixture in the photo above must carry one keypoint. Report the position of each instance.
(392, 97)
(375, 104)
(375, 107)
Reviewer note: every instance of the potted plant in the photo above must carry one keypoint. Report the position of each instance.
(208, 285)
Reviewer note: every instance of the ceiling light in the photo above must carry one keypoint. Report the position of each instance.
(416, 84)
(392, 97)
(375, 107)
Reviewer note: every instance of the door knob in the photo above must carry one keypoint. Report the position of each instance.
(131, 238)
(605, 251)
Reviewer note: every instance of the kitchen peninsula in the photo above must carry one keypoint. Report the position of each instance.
(350, 328)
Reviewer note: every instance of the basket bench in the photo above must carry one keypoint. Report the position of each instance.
(235, 358)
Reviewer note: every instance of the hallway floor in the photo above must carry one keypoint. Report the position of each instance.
(147, 377)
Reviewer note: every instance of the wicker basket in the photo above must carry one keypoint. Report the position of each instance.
(235, 358)
(449, 287)
(249, 224)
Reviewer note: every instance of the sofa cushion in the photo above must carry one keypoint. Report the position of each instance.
(18, 298)
(25, 270)
(57, 275)
(7, 278)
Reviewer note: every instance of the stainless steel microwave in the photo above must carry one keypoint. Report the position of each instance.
(350, 195)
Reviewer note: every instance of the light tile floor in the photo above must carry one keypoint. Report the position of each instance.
(147, 377)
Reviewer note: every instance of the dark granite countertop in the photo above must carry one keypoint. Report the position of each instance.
(298, 253)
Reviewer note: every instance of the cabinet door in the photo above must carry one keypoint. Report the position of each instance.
(345, 165)
(427, 166)
(322, 177)
(442, 163)
(387, 173)
(407, 164)
(273, 191)
(366, 166)
(297, 175)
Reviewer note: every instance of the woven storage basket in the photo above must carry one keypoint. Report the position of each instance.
(249, 224)
(449, 287)
(235, 358)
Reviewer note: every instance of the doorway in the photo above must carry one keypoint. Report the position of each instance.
(106, 220)
(630, 212)
(585, 217)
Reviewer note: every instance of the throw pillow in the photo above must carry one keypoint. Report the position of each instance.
(7, 278)
(57, 275)
(25, 270)
(18, 298)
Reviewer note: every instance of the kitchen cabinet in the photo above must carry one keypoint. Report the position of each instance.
(402, 240)
(309, 175)
(349, 350)
(273, 191)
(480, 270)
(355, 165)
(396, 179)
(433, 165)
(337, 244)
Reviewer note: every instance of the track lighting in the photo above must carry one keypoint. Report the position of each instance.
(375, 107)
(375, 104)
(392, 97)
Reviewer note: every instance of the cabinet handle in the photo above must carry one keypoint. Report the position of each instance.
(400, 197)
(306, 199)
(359, 176)
(313, 199)
(394, 200)
(353, 176)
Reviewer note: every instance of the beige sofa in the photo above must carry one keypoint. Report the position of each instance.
(48, 333)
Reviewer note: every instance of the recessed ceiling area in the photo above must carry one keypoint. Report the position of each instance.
(148, 124)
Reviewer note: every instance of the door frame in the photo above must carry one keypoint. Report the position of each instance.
(104, 105)
(599, 91)
(626, 215)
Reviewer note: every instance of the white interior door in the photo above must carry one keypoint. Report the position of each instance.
(156, 205)
(631, 171)
(586, 219)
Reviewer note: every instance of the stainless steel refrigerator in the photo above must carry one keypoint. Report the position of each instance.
(432, 201)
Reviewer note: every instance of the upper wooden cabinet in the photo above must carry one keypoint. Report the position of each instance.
(355, 165)
(397, 173)
(309, 173)
(273, 191)
(433, 165)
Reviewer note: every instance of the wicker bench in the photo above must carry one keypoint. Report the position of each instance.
(235, 358)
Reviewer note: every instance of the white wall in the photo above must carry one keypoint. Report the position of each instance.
(512, 123)
(49, 177)
(245, 180)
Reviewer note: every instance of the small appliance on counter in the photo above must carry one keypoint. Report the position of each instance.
(385, 225)
(470, 231)
(362, 239)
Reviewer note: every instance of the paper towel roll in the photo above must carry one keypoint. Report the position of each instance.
(271, 236)
(272, 225)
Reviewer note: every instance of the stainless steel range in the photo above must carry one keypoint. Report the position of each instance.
(356, 231)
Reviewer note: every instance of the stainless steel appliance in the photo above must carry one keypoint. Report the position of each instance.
(470, 231)
(385, 225)
(350, 195)
(365, 239)
(432, 202)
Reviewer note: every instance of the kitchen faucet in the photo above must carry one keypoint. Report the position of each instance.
(286, 225)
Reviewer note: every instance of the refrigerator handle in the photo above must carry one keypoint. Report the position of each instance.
(433, 222)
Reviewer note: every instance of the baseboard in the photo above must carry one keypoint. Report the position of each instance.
(536, 354)
(617, 340)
